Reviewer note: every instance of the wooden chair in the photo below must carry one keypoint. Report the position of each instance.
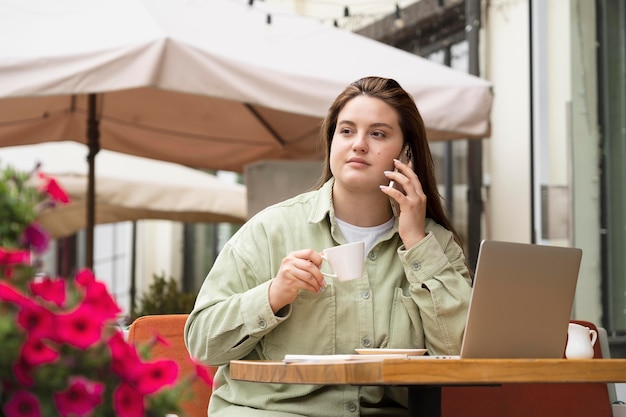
(170, 327)
(524, 400)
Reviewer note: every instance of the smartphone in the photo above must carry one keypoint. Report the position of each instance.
(404, 157)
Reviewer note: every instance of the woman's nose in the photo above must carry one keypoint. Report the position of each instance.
(359, 144)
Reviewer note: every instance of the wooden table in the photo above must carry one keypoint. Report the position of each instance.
(425, 377)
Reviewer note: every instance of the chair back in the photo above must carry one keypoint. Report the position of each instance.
(171, 328)
(536, 400)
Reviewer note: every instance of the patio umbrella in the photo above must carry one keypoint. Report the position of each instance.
(128, 188)
(206, 83)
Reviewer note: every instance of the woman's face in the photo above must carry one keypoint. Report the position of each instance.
(366, 140)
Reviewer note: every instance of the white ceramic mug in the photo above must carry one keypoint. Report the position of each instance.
(345, 261)
(580, 341)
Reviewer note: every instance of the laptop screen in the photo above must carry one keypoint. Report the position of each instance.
(521, 301)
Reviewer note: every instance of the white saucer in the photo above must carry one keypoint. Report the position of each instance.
(408, 352)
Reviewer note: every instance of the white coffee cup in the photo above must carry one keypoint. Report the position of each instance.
(345, 261)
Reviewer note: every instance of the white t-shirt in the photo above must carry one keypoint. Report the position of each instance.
(370, 235)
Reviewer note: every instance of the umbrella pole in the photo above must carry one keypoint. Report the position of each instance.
(133, 271)
(93, 142)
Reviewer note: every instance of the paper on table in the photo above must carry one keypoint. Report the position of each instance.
(291, 358)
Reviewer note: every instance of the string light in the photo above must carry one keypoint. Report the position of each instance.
(398, 21)
(349, 17)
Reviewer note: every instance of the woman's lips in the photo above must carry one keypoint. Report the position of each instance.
(359, 161)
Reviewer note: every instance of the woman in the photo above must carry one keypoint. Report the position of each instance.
(265, 295)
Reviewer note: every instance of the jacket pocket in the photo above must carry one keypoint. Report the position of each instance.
(405, 326)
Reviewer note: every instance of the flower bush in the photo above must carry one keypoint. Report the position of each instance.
(61, 352)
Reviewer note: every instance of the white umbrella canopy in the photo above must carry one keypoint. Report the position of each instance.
(206, 83)
(128, 188)
(203, 83)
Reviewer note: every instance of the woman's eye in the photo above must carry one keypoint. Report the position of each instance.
(345, 131)
(378, 134)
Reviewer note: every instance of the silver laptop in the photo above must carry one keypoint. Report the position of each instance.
(521, 302)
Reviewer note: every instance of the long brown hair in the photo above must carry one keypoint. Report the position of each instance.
(413, 132)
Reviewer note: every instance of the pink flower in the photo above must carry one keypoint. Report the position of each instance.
(22, 372)
(128, 402)
(63, 355)
(36, 352)
(97, 296)
(53, 189)
(161, 340)
(36, 237)
(36, 320)
(11, 295)
(80, 327)
(80, 399)
(203, 372)
(50, 290)
(124, 357)
(14, 257)
(22, 404)
(85, 277)
(155, 375)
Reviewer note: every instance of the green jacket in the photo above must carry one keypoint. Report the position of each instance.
(415, 298)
